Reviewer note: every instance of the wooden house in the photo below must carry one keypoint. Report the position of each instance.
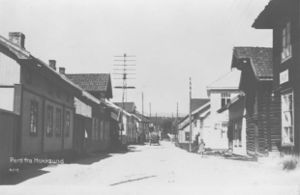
(97, 133)
(131, 122)
(220, 92)
(236, 132)
(256, 80)
(41, 97)
(283, 17)
(200, 111)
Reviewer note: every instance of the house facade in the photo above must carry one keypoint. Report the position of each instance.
(42, 97)
(237, 124)
(263, 132)
(200, 125)
(97, 90)
(283, 17)
(220, 92)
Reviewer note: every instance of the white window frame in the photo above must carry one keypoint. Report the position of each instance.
(286, 46)
(285, 142)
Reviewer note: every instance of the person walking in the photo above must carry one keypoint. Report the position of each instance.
(201, 147)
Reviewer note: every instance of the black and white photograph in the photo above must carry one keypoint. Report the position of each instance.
(150, 97)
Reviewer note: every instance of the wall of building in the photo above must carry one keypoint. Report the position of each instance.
(8, 129)
(216, 136)
(9, 70)
(38, 88)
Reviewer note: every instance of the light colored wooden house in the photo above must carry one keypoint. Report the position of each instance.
(220, 92)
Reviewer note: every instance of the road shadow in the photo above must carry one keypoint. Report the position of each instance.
(88, 159)
(133, 180)
(23, 174)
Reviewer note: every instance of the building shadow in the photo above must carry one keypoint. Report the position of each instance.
(23, 174)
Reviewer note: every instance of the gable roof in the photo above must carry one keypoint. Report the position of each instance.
(24, 57)
(93, 82)
(268, 18)
(202, 112)
(197, 103)
(260, 60)
(229, 81)
(128, 106)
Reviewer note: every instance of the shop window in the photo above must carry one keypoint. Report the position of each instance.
(286, 52)
(287, 119)
(68, 124)
(58, 126)
(33, 117)
(49, 121)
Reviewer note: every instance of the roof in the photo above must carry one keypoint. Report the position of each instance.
(229, 81)
(202, 111)
(197, 103)
(128, 106)
(268, 18)
(92, 82)
(25, 57)
(260, 60)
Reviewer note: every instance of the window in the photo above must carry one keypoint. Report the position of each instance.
(49, 121)
(287, 119)
(33, 117)
(68, 124)
(187, 136)
(225, 99)
(286, 52)
(58, 122)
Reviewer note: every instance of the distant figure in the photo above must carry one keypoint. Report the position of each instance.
(201, 147)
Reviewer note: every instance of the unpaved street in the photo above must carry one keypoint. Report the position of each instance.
(162, 169)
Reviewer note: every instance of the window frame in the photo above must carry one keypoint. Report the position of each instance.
(286, 45)
(67, 124)
(291, 134)
(49, 121)
(58, 122)
(33, 118)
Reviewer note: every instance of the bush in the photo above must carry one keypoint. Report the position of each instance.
(290, 163)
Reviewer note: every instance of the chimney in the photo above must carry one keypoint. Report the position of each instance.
(62, 70)
(52, 64)
(17, 38)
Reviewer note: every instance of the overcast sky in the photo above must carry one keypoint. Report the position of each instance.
(171, 39)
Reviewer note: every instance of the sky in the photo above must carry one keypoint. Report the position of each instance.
(171, 39)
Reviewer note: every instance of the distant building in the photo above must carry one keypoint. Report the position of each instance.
(98, 123)
(200, 112)
(220, 92)
(282, 16)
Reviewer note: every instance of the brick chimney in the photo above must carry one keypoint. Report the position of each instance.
(52, 64)
(62, 70)
(17, 38)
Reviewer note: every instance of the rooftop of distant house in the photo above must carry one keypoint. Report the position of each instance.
(93, 82)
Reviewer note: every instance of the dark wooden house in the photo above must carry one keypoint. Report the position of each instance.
(95, 116)
(262, 133)
(283, 17)
(42, 97)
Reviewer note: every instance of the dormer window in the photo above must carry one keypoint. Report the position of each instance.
(286, 52)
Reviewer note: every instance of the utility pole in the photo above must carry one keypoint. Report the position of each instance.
(176, 125)
(150, 110)
(123, 70)
(190, 114)
(143, 103)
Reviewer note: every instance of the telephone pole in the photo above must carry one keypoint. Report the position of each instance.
(122, 70)
(190, 114)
